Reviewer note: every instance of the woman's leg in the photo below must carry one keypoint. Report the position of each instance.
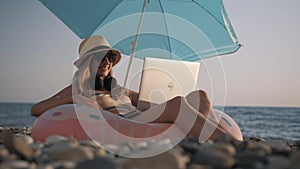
(179, 111)
(199, 101)
(166, 112)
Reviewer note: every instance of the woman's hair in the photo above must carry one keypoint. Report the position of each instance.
(84, 82)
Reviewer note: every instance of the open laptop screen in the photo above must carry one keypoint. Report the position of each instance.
(164, 79)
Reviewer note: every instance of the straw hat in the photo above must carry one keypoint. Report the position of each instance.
(95, 44)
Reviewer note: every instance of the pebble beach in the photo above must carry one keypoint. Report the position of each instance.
(18, 150)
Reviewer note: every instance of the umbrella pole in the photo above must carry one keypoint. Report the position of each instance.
(135, 41)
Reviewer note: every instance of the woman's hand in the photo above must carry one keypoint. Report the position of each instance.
(118, 92)
(62, 97)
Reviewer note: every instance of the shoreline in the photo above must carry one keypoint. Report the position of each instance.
(18, 150)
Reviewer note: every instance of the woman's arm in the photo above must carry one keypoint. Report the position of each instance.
(118, 91)
(134, 97)
(62, 97)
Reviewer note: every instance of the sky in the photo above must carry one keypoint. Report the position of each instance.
(37, 52)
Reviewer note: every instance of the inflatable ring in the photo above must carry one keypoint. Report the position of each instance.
(84, 122)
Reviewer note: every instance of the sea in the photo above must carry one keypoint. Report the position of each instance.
(280, 123)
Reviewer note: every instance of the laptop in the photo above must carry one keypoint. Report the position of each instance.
(164, 79)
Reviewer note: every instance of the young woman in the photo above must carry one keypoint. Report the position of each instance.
(94, 85)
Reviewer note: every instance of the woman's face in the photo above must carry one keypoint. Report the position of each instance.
(101, 67)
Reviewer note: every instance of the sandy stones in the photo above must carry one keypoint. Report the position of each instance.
(18, 151)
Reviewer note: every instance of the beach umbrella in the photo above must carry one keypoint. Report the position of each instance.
(187, 30)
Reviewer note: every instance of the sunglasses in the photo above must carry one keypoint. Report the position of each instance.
(109, 55)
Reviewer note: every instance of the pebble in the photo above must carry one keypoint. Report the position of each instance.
(250, 159)
(297, 143)
(45, 166)
(90, 143)
(70, 151)
(166, 160)
(278, 162)
(146, 149)
(295, 159)
(278, 146)
(99, 152)
(218, 155)
(16, 145)
(55, 139)
(4, 154)
(258, 148)
(198, 166)
(97, 163)
(25, 138)
(17, 164)
(61, 146)
(189, 145)
(65, 164)
(36, 146)
(18, 150)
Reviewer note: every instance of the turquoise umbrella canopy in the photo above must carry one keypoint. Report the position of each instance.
(173, 29)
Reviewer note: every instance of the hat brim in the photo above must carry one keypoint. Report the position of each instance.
(79, 61)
